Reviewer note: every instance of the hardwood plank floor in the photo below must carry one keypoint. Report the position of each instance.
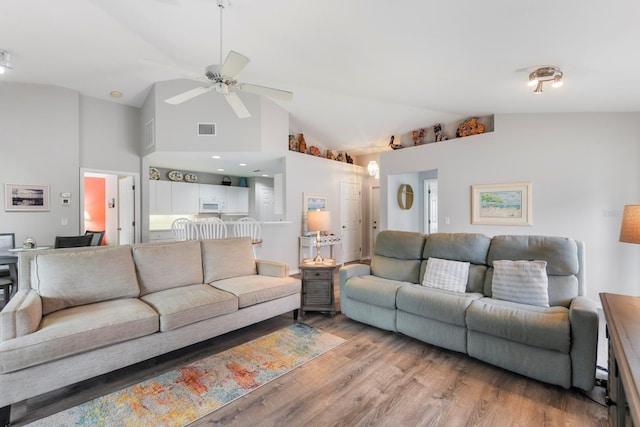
(376, 378)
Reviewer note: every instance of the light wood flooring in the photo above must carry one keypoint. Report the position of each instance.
(376, 378)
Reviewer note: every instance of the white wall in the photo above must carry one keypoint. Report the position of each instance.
(583, 167)
(40, 145)
(46, 134)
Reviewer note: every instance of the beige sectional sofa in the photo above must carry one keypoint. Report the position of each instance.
(83, 312)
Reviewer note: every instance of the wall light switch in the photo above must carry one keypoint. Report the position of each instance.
(447, 220)
(65, 221)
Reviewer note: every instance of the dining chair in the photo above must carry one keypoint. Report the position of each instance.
(7, 241)
(212, 228)
(184, 229)
(96, 237)
(248, 227)
(73, 241)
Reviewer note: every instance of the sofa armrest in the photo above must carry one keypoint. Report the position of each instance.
(353, 270)
(272, 268)
(21, 316)
(583, 315)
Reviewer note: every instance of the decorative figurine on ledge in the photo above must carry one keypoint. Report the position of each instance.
(470, 127)
(418, 136)
(314, 151)
(348, 158)
(392, 145)
(302, 144)
(340, 157)
(293, 143)
(330, 155)
(440, 135)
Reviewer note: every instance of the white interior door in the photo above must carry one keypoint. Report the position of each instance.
(126, 211)
(375, 216)
(265, 205)
(431, 206)
(351, 221)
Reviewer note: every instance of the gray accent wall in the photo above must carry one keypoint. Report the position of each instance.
(584, 168)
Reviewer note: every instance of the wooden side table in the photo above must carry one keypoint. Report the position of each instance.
(317, 287)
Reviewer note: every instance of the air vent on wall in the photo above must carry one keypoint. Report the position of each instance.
(207, 129)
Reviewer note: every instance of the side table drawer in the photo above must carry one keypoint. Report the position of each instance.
(318, 293)
(317, 275)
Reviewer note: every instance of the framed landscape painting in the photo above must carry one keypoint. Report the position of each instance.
(26, 197)
(501, 204)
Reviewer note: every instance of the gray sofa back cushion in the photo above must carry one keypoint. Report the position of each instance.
(166, 266)
(465, 247)
(73, 278)
(225, 258)
(397, 255)
(560, 253)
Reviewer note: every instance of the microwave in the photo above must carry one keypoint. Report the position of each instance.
(210, 205)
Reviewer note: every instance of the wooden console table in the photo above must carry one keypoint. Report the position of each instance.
(622, 313)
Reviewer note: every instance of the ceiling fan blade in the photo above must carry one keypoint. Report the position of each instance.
(188, 73)
(234, 63)
(267, 91)
(185, 96)
(238, 106)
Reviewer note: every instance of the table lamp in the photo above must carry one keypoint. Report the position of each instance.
(630, 228)
(318, 221)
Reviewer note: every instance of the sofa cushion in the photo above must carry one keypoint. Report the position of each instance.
(167, 265)
(446, 274)
(79, 329)
(189, 304)
(521, 281)
(225, 258)
(468, 247)
(562, 257)
(399, 244)
(544, 327)
(72, 278)
(373, 290)
(444, 306)
(255, 289)
(402, 270)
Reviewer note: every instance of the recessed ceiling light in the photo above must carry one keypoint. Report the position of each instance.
(220, 170)
(242, 164)
(115, 94)
(264, 174)
(215, 157)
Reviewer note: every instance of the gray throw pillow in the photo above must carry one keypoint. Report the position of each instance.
(524, 282)
(446, 274)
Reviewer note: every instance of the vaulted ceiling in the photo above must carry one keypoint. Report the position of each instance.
(360, 70)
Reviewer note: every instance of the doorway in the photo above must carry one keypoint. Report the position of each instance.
(374, 217)
(430, 206)
(351, 221)
(110, 201)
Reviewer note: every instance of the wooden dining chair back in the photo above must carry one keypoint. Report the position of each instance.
(96, 237)
(249, 227)
(73, 241)
(184, 229)
(212, 228)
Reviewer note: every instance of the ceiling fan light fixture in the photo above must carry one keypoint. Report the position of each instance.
(545, 74)
(4, 61)
(557, 81)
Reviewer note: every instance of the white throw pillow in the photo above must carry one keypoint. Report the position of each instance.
(521, 281)
(447, 275)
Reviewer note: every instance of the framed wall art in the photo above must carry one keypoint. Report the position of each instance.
(312, 202)
(26, 197)
(501, 204)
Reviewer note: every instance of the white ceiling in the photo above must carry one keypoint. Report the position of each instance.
(360, 70)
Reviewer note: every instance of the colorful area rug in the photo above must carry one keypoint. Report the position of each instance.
(188, 393)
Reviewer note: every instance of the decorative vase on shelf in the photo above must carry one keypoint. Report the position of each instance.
(29, 243)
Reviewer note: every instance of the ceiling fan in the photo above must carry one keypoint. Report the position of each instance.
(223, 77)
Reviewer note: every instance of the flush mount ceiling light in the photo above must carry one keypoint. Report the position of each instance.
(545, 74)
(4, 61)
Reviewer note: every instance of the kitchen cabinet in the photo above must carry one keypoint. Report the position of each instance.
(159, 197)
(168, 197)
(185, 198)
(217, 192)
(237, 200)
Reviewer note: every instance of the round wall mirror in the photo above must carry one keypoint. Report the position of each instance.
(405, 196)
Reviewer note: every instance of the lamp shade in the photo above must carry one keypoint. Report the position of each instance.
(318, 220)
(630, 228)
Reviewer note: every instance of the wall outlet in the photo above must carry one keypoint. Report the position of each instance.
(447, 220)
(65, 221)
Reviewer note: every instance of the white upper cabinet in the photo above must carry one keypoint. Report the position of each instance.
(159, 197)
(237, 200)
(185, 198)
